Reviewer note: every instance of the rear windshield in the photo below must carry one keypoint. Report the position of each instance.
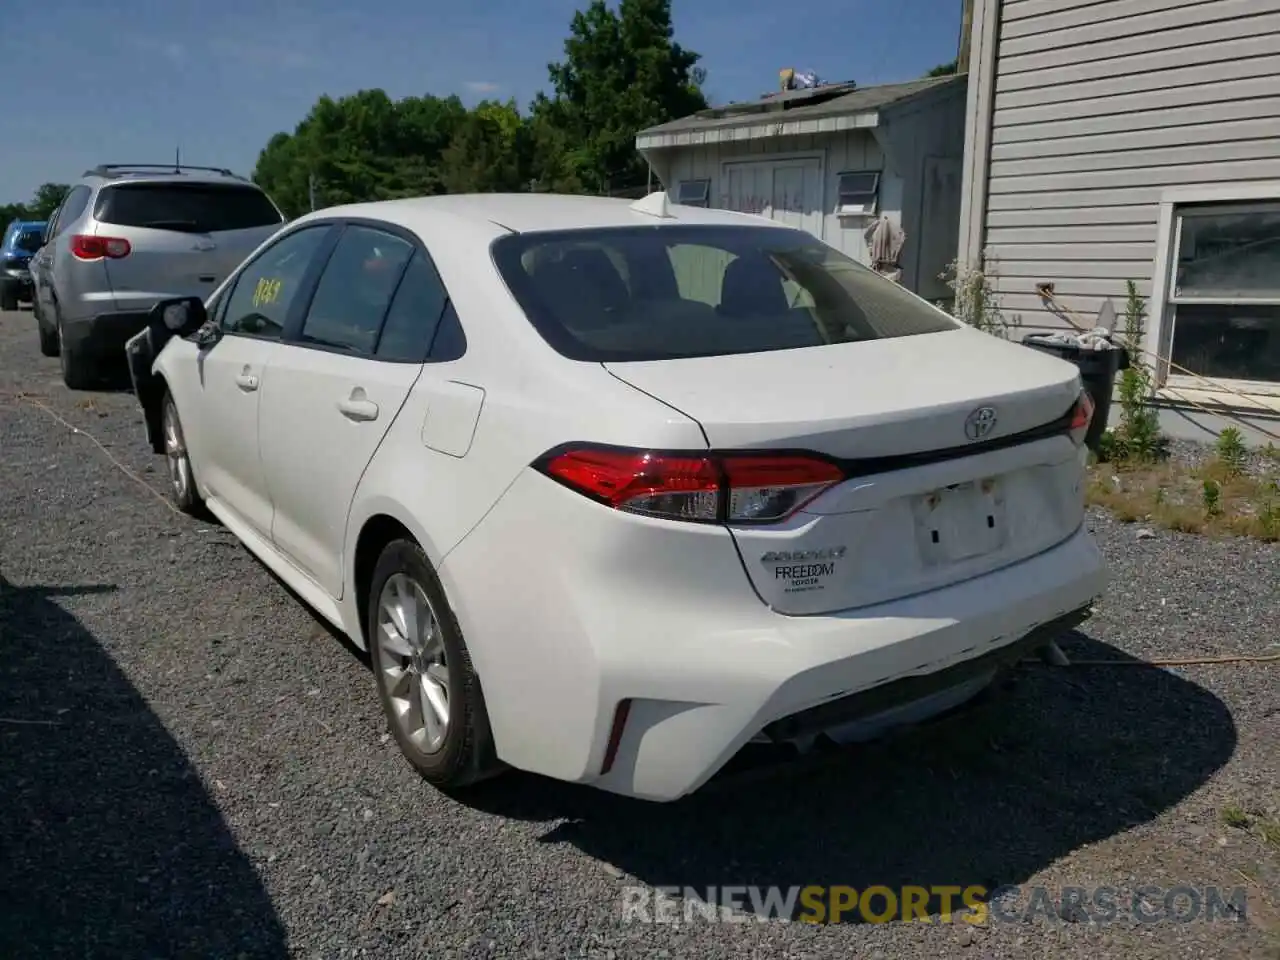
(186, 207)
(28, 242)
(656, 293)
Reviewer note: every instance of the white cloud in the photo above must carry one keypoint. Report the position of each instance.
(482, 86)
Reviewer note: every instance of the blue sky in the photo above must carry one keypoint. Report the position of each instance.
(91, 82)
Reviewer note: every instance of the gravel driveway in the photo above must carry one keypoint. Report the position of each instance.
(192, 766)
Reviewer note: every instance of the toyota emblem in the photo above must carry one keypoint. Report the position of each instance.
(980, 423)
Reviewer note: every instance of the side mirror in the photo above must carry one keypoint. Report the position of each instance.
(181, 316)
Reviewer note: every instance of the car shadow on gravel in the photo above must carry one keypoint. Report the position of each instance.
(989, 795)
(109, 844)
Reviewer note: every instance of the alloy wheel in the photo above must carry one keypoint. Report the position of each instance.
(413, 663)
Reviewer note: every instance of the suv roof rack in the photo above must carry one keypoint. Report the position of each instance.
(109, 170)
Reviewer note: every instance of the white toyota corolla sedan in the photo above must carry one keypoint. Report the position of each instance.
(610, 490)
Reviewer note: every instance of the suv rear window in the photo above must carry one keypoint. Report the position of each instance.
(186, 207)
(658, 293)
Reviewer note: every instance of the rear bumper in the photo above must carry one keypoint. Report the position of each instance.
(560, 641)
(103, 334)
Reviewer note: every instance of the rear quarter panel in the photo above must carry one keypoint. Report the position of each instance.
(533, 400)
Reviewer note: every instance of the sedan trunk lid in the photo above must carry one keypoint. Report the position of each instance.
(954, 448)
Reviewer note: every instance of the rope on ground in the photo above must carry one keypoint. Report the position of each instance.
(38, 404)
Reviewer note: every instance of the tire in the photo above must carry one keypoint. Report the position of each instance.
(8, 299)
(77, 371)
(182, 479)
(461, 753)
(48, 338)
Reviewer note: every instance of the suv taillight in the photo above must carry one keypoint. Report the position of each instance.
(1081, 417)
(702, 488)
(85, 247)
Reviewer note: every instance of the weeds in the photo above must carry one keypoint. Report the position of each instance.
(1138, 438)
(1231, 450)
(1238, 819)
(976, 301)
(1216, 497)
(1270, 834)
(1235, 817)
(1212, 497)
(1134, 480)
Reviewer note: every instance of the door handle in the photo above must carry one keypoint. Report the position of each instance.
(358, 407)
(247, 382)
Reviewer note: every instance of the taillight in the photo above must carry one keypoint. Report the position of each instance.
(1081, 417)
(85, 247)
(703, 488)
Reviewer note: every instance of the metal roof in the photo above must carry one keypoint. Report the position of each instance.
(821, 109)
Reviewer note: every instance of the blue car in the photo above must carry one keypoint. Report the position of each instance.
(22, 238)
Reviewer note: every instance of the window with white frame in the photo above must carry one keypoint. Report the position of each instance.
(857, 194)
(694, 193)
(1224, 296)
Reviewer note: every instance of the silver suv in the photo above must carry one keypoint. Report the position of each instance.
(129, 235)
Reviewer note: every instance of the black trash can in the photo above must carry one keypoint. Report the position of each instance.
(1098, 369)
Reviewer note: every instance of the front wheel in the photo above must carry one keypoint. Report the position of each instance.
(182, 483)
(8, 298)
(429, 691)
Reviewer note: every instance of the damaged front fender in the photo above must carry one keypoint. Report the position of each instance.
(141, 351)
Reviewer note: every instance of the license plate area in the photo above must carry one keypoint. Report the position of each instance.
(960, 522)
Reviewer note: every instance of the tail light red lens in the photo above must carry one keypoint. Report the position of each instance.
(703, 488)
(1081, 417)
(85, 247)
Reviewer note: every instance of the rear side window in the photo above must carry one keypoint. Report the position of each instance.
(629, 293)
(414, 315)
(186, 207)
(72, 206)
(355, 290)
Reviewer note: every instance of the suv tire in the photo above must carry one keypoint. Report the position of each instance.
(48, 339)
(77, 373)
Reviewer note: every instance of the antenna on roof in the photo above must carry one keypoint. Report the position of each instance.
(654, 205)
(177, 159)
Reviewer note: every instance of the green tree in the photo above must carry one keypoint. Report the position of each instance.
(41, 206)
(944, 69)
(47, 199)
(10, 212)
(361, 147)
(489, 151)
(622, 72)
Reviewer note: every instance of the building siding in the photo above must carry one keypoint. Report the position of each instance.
(1097, 109)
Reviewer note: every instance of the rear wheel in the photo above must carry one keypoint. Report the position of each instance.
(77, 373)
(48, 335)
(429, 691)
(182, 481)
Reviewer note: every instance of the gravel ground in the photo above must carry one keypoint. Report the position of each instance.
(191, 765)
